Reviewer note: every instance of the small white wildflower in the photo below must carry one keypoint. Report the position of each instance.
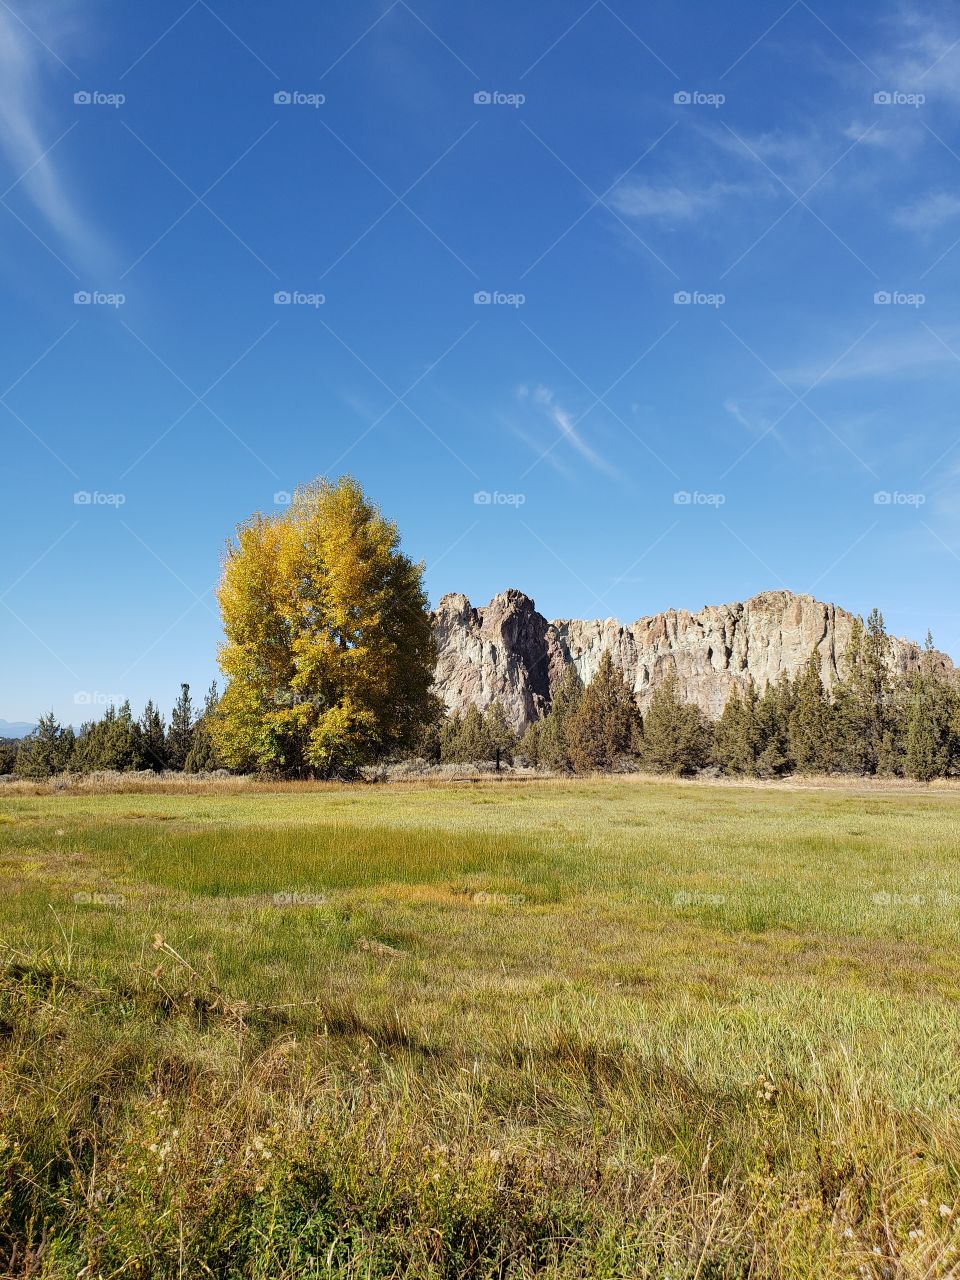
(945, 1211)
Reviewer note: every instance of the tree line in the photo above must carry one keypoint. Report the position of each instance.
(120, 742)
(872, 721)
(329, 655)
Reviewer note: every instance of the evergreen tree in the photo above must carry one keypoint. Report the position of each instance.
(151, 740)
(810, 725)
(737, 734)
(203, 756)
(553, 745)
(930, 719)
(451, 733)
(8, 754)
(475, 737)
(863, 699)
(501, 741)
(46, 751)
(676, 738)
(474, 744)
(773, 728)
(120, 746)
(428, 747)
(530, 743)
(601, 729)
(180, 732)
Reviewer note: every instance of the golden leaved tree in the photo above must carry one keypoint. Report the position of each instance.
(329, 650)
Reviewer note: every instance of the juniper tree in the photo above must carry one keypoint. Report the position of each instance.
(862, 698)
(451, 733)
(773, 728)
(500, 739)
(529, 746)
(810, 724)
(676, 738)
(930, 719)
(601, 729)
(737, 735)
(46, 751)
(151, 740)
(203, 756)
(552, 745)
(180, 732)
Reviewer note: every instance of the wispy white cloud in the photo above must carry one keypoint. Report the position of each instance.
(28, 66)
(669, 202)
(544, 399)
(902, 356)
(929, 212)
(927, 60)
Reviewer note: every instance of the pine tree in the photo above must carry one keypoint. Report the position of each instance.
(530, 743)
(773, 728)
(676, 738)
(930, 719)
(46, 751)
(203, 756)
(501, 741)
(120, 747)
(151, 740)
(180, 732)
(474, 744)
(602, 728)
(810, 724)
(863, 699)
(451, 733)
(553, 746)
(737, 734)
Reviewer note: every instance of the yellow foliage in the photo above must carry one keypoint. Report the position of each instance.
(329, 650)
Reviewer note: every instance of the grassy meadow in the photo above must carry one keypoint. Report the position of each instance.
(611, 1028)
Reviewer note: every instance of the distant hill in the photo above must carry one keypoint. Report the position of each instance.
(15, 729)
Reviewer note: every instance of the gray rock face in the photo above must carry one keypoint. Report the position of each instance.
(509, 651)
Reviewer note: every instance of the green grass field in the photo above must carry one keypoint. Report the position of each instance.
(611, 1028)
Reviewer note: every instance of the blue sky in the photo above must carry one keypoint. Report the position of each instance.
(781, 166)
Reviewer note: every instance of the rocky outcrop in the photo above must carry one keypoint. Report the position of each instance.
(509, 651)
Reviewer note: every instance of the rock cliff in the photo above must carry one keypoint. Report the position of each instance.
(509, 651)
